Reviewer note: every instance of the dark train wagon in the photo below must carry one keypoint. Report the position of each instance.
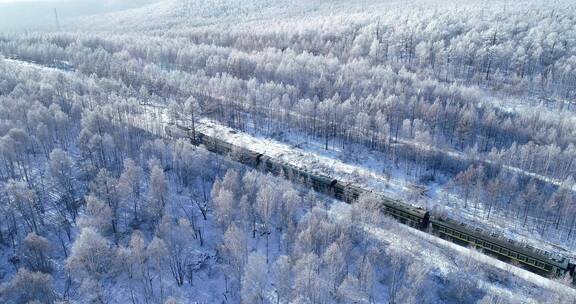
(318, 182)
(406, 214)
(269, 164)
(175, 132)
(348, 192)
(245, 156)
(539, 261)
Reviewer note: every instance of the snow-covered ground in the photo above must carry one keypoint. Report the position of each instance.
(548, 107)
(363, 167)
(30, 65)
(443, 262)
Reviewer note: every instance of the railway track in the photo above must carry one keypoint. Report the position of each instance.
(542, 262)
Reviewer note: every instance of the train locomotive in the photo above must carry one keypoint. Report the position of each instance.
(542, 262)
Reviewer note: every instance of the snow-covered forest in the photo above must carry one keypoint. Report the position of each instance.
(469, 106)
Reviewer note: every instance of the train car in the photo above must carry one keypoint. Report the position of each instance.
(269, 164)
(220, 146)
(322, 183)
(407, 214)
(175, 132)
(347, 192)
(237, 153)
(353, 192)
(536, 260)
(318, 182)
(245, 156)
(295, 174)
(199, 138)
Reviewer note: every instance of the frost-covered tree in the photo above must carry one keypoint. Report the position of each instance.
(19, 150)
(267, 200)
(97, 216)
(235, 246)
(306, 278)
(157, 193)
(61, 168)
(349, 291)
(398, 275)
(23, 201)
(335, 264)
(283, 278)
(157, 251)
(90, 263)
(179, 239)
(224, 206)
(192, 111)
(136, 262)
(128, 187)
(254, 279)
(27, 287)
(37, 252)
(104, 187)
(91, 255)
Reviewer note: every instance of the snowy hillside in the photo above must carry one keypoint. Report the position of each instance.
(174, 14)
(464, 108)
(181, 13)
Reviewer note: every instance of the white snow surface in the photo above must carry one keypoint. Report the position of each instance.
(327, 163)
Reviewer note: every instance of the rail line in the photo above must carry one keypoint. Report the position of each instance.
(542, 262)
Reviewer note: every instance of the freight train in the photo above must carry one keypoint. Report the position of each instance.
(542, 262)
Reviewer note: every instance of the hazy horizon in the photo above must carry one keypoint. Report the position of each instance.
(23, 15)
